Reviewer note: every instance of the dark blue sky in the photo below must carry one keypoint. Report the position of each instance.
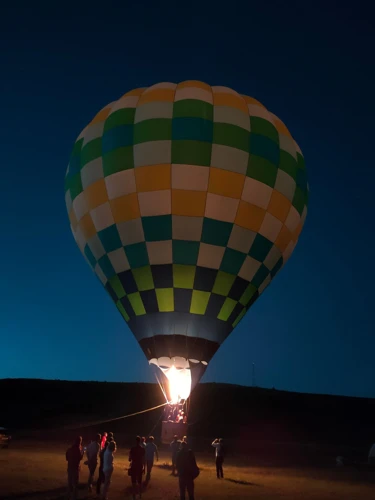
(313, 329)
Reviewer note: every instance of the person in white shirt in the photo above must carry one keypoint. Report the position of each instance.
(218, 444)
(150, 451)
(108, 467)
(92, 453)
(371, 455)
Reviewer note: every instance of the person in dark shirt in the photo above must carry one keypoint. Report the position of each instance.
(137, 467)
(187, 471)
(74, 456)
(175, 446)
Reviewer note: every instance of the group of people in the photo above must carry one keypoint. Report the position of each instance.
(141, 458)
(175, 413)
(101, 451)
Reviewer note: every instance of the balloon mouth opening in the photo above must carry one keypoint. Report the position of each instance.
(177, 377)
(179, 383)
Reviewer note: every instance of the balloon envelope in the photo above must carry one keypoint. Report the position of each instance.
(186, 200)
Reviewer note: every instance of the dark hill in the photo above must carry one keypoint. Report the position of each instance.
(247, 413)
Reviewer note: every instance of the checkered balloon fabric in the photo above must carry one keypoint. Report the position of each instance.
(186, 200)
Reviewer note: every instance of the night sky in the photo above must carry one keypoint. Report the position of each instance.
(313, 329)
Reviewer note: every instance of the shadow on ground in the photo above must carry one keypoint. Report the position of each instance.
(244, 483)
(52, 494)
(55, 494)
(166, 466)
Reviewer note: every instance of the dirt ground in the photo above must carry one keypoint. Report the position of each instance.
(38, 472)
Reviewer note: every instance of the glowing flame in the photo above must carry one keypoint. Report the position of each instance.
(179, 383)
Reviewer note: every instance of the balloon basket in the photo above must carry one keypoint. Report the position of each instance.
(171, 429)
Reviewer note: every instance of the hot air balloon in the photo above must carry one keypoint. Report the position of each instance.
(186, 200)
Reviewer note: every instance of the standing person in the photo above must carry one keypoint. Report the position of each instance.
(74, 456)
(137, 468)
(151, 450)
(187, 471)
(100, 480)
(218, 444)
(175, 446)
(108, 467)
(92, 453)
(104, 439)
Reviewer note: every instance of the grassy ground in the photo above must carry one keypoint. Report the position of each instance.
(38, 472)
